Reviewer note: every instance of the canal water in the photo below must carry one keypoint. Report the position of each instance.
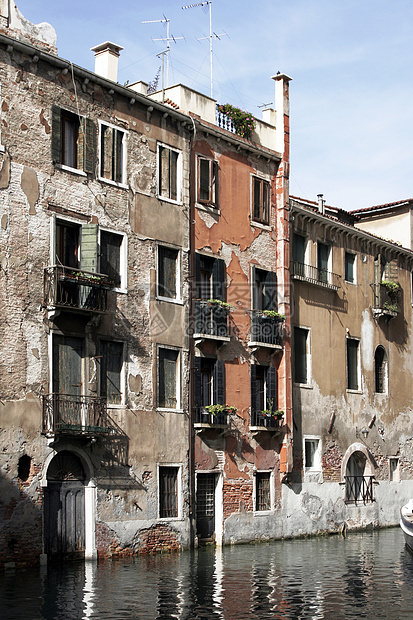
(365, 575)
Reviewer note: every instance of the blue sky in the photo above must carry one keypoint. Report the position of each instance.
(351, 62)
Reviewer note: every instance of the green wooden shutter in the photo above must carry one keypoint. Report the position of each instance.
(219, 279)
(56, 147)
(89, 247)
(89, 146)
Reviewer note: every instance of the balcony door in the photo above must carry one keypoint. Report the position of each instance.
(67, 380)
(205, 507)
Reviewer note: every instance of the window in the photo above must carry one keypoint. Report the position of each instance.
(299, 252)
(312, 457)
(207, 182)
(323, 254)
(394, 470)
(113, 257)
(168, 273)
(261, 200)
(111, 375)
(264, 290)
(168, 492)
(169, 173)
(264, 394)
(210, 283)
(67, 237)
(168, 379)
(349, 267)
(262, 490)
(208, 382)
(353, 382)
(112, 153)
(73, 141)
(300, 355)
(380, 370)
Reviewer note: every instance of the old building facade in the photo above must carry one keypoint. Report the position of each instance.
(352, 372)
(95, 301)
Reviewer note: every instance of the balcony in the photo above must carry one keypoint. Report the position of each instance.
(266, 331)
(211, 322)
(65, 287)
(64, 414)
(314, 275)
(261, 421)
(386, 299)
(359, 489)
(204, 420)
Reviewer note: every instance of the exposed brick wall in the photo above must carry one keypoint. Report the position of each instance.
(155, 539)
(237, 497)
(332, 460)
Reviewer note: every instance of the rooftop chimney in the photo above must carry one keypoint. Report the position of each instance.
(106, 60)
(321, 203)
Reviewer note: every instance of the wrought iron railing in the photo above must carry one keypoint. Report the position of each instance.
(74, 415)
(315, 275)
(359, 489)
(265, 329)
(210, 319)
(385, 301)
(224, 121)
(75, 288)
(202, 416)
(258, 418)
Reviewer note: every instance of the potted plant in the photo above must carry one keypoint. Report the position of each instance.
(272, 314)
(218, 303)
(242, 122)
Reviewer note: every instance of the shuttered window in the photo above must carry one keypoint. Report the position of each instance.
(352, 364)
(209, 387)
(168, 384)
(111, 363)
(261, 200)
(264, 391)
(112, 153)
(207, 181)
(300, 355)
(264, 290)
(73, 140)
(168, 492)
(111, 256)
(168, 272)
(169, 173)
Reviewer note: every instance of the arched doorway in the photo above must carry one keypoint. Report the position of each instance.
(64, 507)
(358, 475)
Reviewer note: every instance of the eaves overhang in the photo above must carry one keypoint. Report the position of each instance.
(61, 63)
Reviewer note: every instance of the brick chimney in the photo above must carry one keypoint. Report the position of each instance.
(106, 60)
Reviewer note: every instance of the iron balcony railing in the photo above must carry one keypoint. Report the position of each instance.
(359, 489)
(315, 275)
(210, 319)
(265, 329)
(202, 416)
(75, 288)
(258, 418)
(385, 301)
(74, 415)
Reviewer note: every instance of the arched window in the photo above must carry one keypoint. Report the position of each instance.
(380, 370)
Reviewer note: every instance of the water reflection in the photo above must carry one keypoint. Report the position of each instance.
(367, 575)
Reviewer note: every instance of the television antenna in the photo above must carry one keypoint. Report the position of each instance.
(212, 34)
(167, 40)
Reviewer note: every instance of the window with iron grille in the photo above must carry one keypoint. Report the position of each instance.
(207, 181)
(168, 491)
(261, 200)
(169, 173)
(262, 491)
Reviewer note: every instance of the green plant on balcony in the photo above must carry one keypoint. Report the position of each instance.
(272, 314)
(220, 304)
(218, 409)
(392, 288)
(390, 307)
(243, 122)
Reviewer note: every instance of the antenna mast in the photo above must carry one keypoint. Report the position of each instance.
(211, 34)
(168, 40)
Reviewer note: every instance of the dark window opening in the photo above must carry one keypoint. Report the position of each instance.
(167, 272)
(111, 363)
(323, 252)
(352, 364)
(110, 256)
(261, 200)
(207, 181)
(168, 173)
(300, 355)
(23, 469)
(111, 153)
(380, 370)
(67, 244)
(168, 370)
(349, 261)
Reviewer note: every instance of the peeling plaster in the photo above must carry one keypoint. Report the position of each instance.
(367, 345)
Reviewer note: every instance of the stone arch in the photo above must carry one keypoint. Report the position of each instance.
(369, 464)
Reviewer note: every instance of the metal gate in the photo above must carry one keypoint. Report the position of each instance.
(205, 506)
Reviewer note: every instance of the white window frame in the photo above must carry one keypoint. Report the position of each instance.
(394, 475)
(178, 174)
(122, 375)
(317, 466)
(255, 489)
(178, 299)
(124, 154)
(352, 390)
(354, 255)
(265, 179)
(178, 376)
(179, 467)
(202, 203)
(123, 288)
(308, 358)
